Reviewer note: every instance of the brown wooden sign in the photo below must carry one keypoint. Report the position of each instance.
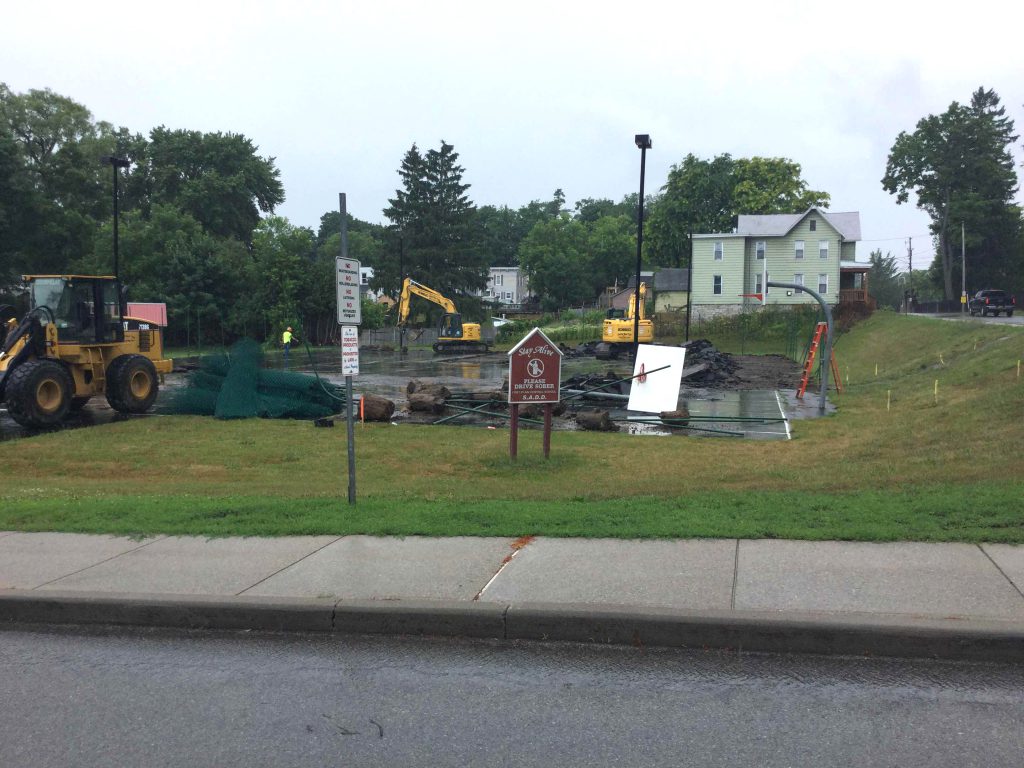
(534, 370)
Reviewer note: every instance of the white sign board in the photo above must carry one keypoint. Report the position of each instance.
(350, 312)
(654, 390)
(349, 350)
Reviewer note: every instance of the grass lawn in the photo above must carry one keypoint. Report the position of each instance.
(897, 462)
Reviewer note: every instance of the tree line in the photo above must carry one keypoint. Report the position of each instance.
(198, 229)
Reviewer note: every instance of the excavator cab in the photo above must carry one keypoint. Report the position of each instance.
(451, 326)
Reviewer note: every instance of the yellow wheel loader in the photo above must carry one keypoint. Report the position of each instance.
(73, 343)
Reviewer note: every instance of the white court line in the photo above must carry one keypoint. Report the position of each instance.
(782, 412)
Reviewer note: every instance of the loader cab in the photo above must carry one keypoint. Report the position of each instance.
(85, 309)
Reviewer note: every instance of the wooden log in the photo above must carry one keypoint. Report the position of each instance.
(596, 420)
(423, 388)
(679, 418)
(376, 408)
(427, 403)
(536, 410)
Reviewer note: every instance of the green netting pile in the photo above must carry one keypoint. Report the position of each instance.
(234, 385)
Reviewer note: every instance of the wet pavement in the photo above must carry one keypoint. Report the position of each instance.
(757, 414)
(160, 698)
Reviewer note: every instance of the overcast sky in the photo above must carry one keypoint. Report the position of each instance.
(534, 96)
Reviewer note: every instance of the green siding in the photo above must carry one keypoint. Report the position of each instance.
(741, 267)
(730, 268)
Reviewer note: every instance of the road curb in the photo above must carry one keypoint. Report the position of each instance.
(829, 634)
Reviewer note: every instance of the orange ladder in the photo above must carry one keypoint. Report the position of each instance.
(819, 330)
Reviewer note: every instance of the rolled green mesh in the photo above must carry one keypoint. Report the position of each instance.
(234, 385)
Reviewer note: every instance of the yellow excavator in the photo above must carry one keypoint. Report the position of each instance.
(453, 335)
(74, 342)
(617, 333)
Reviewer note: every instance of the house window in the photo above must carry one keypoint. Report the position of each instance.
(823, 284)
(799, 249)
(814, 225)
(498, 279)
(798, 278)
(759, 248)
(757, 283)
(718, 285)
(823, 248)
(719, 250)
(508, 296)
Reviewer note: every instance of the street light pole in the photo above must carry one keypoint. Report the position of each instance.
(643, 142)
(115, 163)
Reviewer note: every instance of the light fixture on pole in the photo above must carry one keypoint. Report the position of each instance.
(643, 143)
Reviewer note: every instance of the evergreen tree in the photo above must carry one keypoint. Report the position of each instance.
(435, 217)
(885, 284)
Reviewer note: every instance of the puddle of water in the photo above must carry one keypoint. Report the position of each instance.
(387, 373)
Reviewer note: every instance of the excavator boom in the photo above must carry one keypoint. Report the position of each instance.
(453, 335)
(410, 288)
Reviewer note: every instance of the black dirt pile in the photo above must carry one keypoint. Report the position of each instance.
(720, 366)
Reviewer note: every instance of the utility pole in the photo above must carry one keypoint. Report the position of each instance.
(910, 267)
(963, 269)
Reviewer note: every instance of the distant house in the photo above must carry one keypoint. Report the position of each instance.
(615, 297)
(815, 248)
(671, 289)
(506, 285)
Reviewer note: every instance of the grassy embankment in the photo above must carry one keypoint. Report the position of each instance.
(896, 463)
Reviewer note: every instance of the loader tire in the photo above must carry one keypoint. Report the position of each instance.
(132, 384)
(39, 393)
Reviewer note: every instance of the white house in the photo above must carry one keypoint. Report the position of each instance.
(506, 285)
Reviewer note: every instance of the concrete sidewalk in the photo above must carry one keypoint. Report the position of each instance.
(904, 599)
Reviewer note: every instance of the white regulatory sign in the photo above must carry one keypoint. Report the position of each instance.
(350, 312)
(349, 350)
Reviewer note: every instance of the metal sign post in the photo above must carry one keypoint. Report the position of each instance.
(534, 376)
(349, 317)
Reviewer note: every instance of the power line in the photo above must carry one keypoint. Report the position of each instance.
(891, 239)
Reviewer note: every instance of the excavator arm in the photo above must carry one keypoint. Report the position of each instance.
(631, 311)
(410, 288)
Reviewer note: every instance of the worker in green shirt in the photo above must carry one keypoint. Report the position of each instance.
(286, 341)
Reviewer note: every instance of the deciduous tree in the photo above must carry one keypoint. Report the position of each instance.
(960, 168)
(706, 196)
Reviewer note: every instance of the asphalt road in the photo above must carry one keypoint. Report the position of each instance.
(148, 698)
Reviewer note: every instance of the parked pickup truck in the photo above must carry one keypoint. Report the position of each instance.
(992, 303)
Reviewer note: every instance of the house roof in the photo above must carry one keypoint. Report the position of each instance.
(672, 280)
(778, 224)
(646, 276)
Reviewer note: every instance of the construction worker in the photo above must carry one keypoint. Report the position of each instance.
(286, 341)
